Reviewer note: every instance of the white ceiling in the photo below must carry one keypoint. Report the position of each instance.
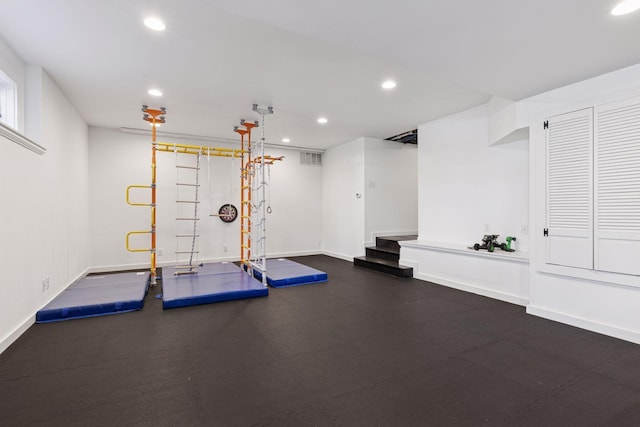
(308, 59)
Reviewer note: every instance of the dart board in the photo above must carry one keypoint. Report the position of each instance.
(228, 213)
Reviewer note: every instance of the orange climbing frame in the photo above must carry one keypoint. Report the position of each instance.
(246, 175)
(155, 117)
(245, 190)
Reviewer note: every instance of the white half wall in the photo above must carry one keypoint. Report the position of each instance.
(391, 188)
(500, 275)
(45, 208)
(119, 159)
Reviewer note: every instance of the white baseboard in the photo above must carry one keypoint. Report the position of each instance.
(474, 289)
(24, 326)
(590, 325)
(123, 267)
(78, 277)
(12, 337)
(412, 264)
(294, 254)
(146, 266)
(337, 255)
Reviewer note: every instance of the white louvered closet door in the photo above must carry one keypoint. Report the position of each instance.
(617, 187)
(570, 189)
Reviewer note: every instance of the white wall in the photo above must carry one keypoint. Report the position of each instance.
(44, 212)
(118, 160)
(384, 175)
(600, 302)
(295, 225)
(391, 188)
(465, 184)
(468, 188)
(33, 98)
(343, 228)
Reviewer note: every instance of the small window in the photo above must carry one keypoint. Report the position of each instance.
(8, 101)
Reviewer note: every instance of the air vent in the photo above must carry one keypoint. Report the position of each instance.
(313, 159)
(410, 137)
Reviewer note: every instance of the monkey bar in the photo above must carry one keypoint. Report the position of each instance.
(131, 233)
(202, 150)
(129, 202)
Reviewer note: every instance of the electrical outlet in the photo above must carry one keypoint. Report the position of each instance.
(224, 249)
(486, 228)
(159, 251)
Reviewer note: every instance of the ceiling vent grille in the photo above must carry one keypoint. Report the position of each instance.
(410, 137)
(313, 159)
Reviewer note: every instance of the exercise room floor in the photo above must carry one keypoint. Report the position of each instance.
(363, 349)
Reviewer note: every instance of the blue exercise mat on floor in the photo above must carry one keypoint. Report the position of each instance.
(97, 295)
(214, 282)
(283, 272)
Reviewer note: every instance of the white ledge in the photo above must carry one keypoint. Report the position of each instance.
(517, 256)
(20, 139)
(518, 135)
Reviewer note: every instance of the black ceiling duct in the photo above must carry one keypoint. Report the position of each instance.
(410, 137)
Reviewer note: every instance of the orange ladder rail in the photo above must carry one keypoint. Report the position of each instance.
(155, 117)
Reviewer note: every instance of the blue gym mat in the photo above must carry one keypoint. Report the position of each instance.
(97, 295)
(282, 273)
(214, 282)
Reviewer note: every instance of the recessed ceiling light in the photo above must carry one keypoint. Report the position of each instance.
(155, 24)
(626, 6)
(322, 120)
(389, 84)
(154, 92)
(286, 140)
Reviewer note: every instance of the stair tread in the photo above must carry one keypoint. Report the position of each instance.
(388, 263)
(386, 250)
(392, 242)
(390, 254)
(398, 238)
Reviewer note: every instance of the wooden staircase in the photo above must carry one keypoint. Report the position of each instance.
(385, 256)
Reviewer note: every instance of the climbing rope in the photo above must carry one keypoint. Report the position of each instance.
(195, 209)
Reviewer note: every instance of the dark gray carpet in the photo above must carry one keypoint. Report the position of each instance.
(364, 349)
